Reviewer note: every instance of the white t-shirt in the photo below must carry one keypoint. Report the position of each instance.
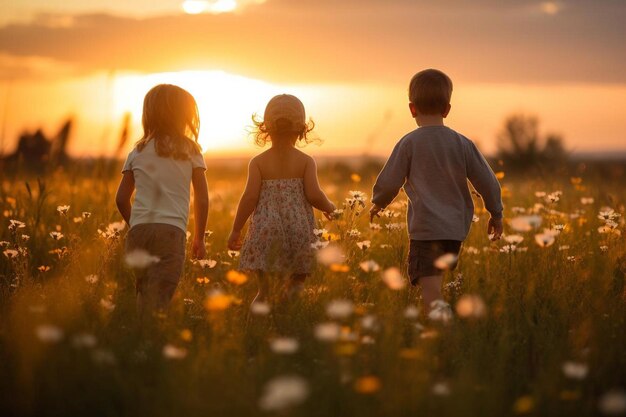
(162, 186)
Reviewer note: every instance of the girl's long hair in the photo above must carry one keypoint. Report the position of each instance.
(170, 118)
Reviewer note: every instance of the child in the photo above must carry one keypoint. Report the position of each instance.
(433, 163)
(280, 194)
(161, 166)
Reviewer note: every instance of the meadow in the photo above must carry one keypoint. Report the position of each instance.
(538, 323)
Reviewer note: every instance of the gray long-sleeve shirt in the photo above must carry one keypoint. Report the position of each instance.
(433, 163)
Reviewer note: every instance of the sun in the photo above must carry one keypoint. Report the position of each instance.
(225, 102)
(206, 6)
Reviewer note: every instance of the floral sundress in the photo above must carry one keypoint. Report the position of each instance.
(281, 230)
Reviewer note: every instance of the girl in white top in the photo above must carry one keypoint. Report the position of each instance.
(160, 168)
(280, 194)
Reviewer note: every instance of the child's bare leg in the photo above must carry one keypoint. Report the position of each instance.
(256, 325)
(293, 286)
(149, 304)
(145, 300)
(140, 306)
(146, 308)
(431, 291)
(296, 283)
(264, 287)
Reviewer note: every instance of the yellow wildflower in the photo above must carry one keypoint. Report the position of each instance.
(236, 278)
(367, 385)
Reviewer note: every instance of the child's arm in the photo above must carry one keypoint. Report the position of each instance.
(312, 190)
(247, 204)
(124, 192)
(390, 179)
(200, 211)
(486, 184)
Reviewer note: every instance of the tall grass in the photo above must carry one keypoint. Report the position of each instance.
(70, 343)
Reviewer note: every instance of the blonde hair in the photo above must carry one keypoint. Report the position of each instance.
(430, 91)
(170, 117)
(282, 129)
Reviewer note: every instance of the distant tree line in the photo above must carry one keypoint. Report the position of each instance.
(521, 147)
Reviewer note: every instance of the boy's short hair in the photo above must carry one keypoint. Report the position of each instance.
(430, 91)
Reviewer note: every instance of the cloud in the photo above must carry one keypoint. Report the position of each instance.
(21, 67)
(329, 41)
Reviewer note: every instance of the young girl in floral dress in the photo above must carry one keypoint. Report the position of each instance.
(280, 194)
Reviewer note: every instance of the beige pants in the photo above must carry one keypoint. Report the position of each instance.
(157, 283)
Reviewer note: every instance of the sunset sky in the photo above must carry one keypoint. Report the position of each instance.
(349, 61)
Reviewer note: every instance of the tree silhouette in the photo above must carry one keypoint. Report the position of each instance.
(521, 147)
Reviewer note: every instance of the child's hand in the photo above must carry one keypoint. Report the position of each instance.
(198, 251)
(374, 210)
(234, 241)
(330, 214)
(494, 228)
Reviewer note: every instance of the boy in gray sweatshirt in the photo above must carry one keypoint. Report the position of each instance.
(433, 164)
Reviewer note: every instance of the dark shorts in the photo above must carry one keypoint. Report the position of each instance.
(424, 253)
(158, 281)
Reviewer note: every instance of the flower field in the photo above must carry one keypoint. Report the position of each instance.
(537, 324)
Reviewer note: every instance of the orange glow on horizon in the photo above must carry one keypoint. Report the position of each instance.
(351, 118)
(225, 102)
